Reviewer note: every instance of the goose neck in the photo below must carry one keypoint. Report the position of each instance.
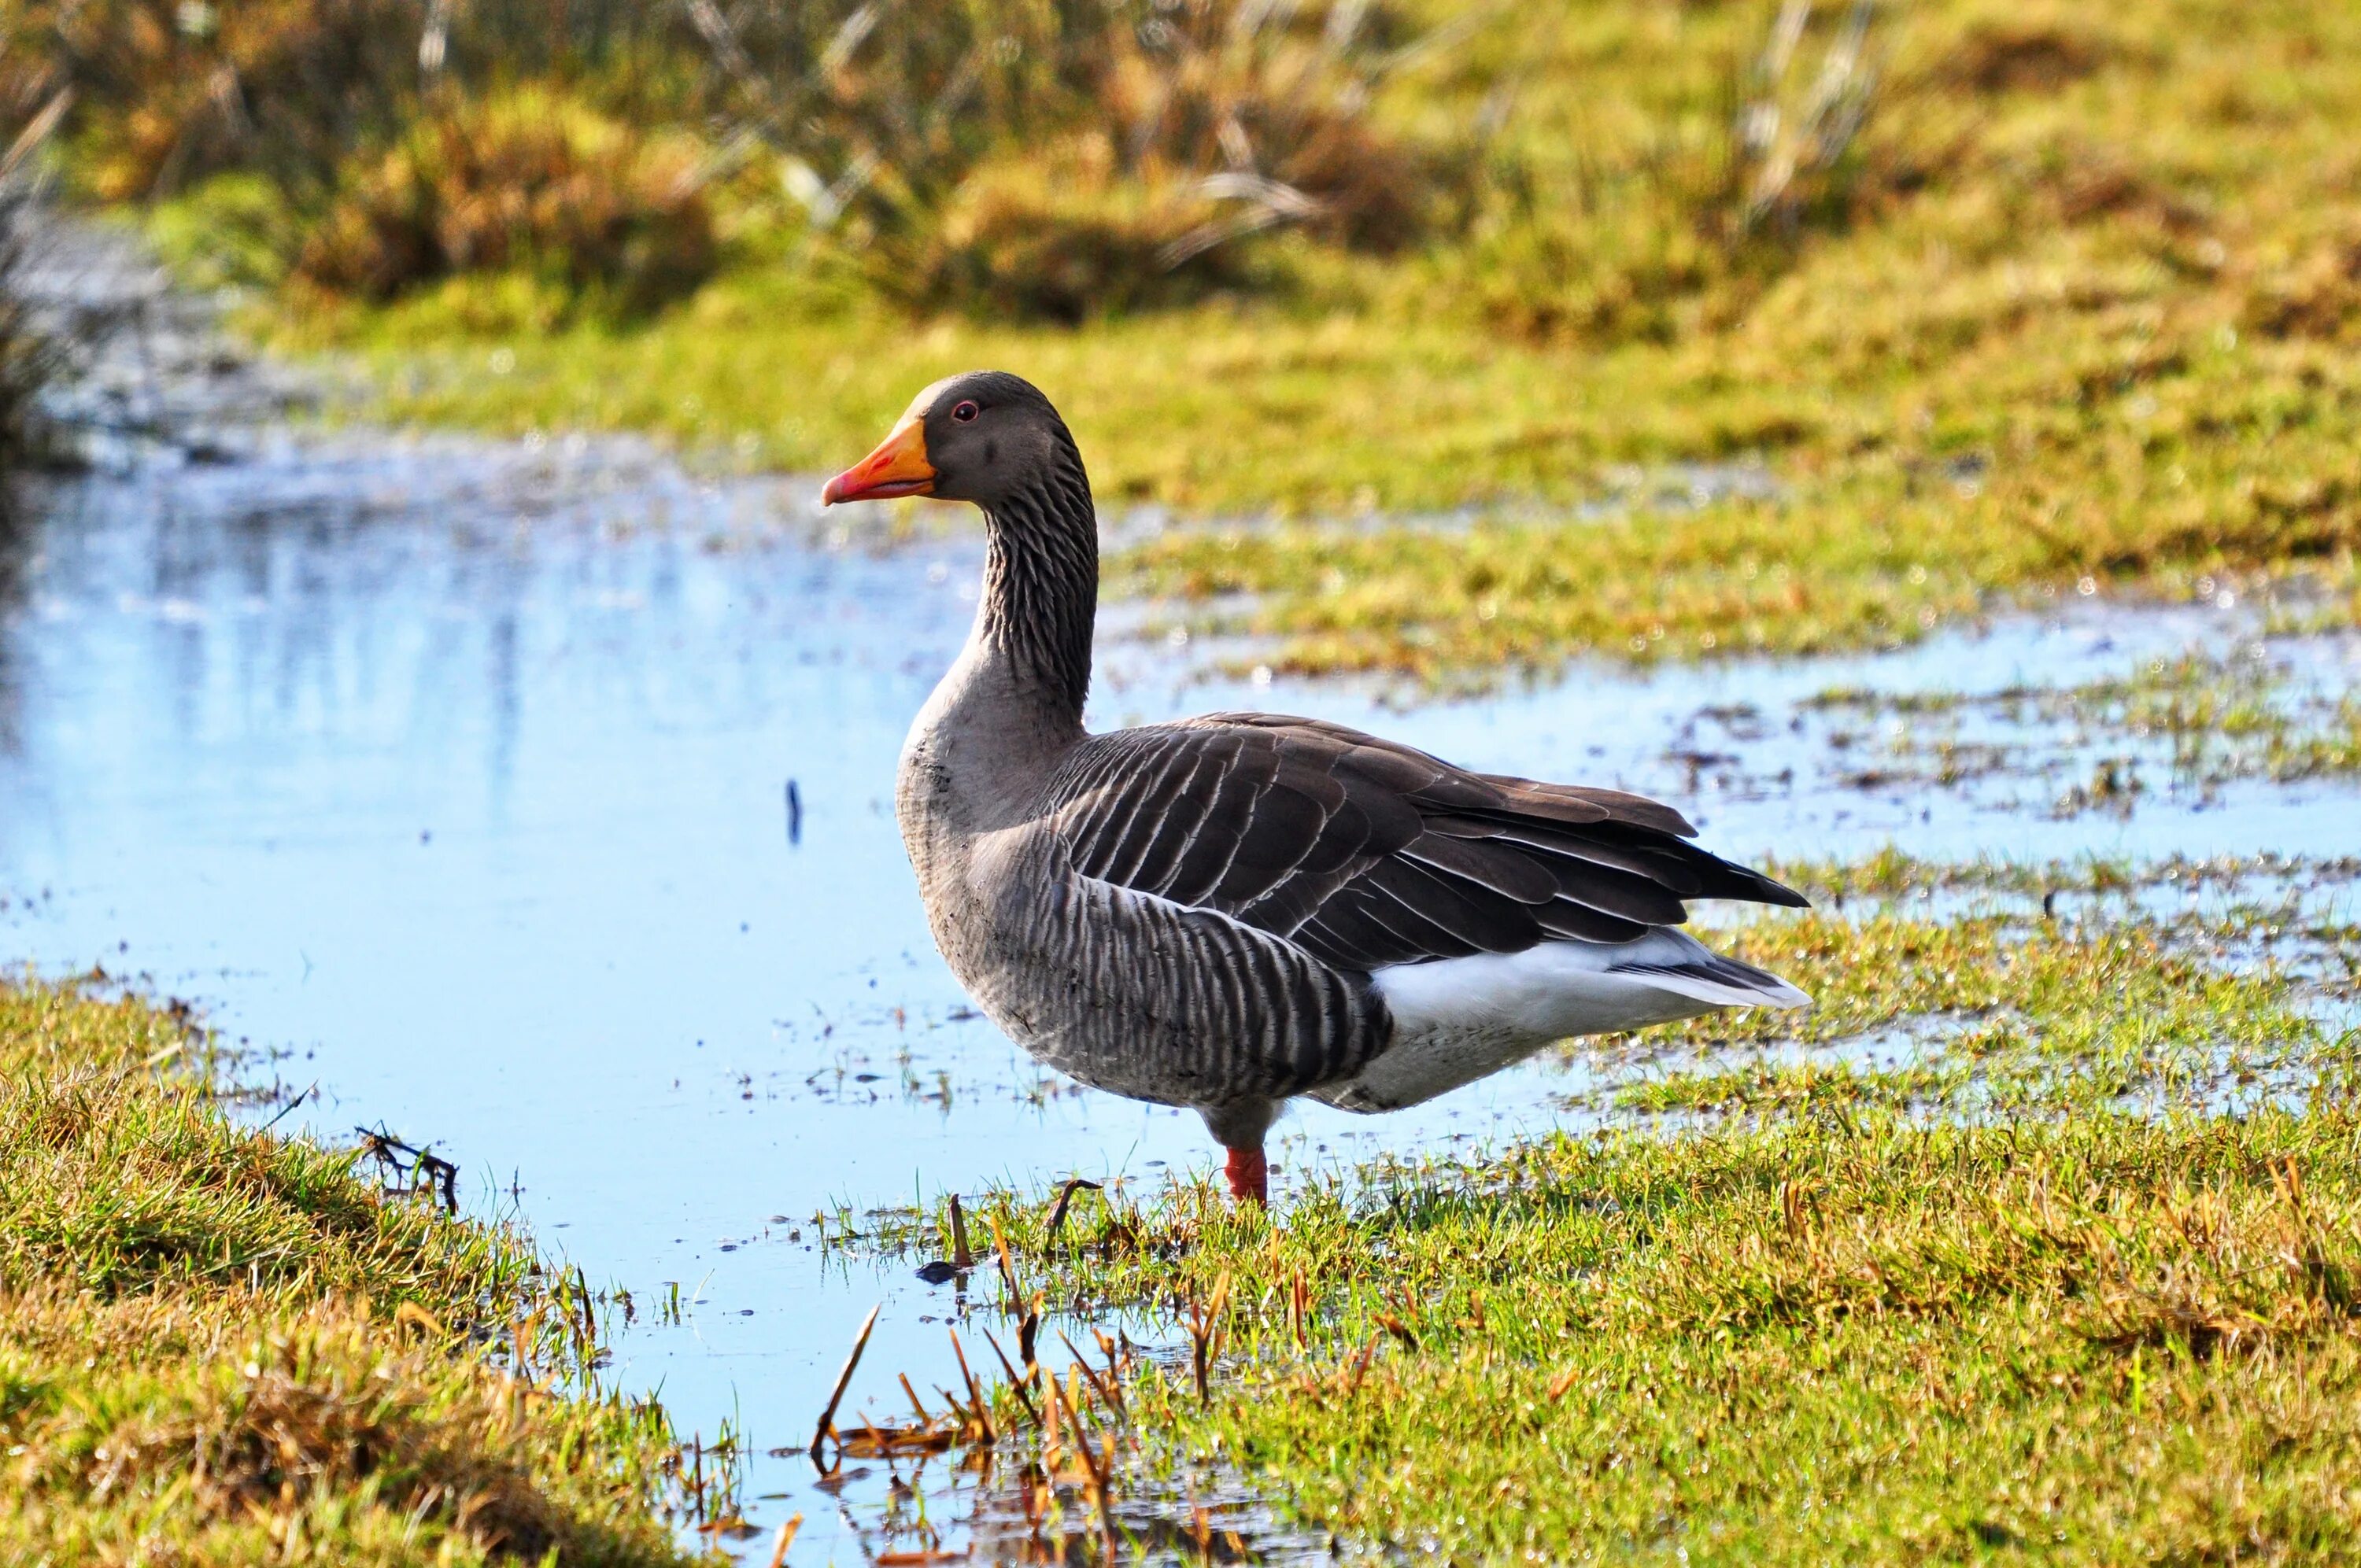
(1040, 592)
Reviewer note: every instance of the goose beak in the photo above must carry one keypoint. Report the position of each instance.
(898, 467)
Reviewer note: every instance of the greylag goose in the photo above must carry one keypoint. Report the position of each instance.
(1229, 911)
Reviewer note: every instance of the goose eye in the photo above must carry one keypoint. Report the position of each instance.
(965, 413)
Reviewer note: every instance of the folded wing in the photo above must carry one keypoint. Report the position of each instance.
(1366, 852)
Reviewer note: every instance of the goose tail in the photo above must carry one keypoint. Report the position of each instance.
(1716, 978)
(1456, 1020)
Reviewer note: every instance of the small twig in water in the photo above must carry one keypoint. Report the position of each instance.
(1107, 1392)
(961, 1258)
(1028, 1333)
(291, 1105)
(1066, 1195)
(1098, 1469)
(1016, 1384)
(786, 1539)
(974, 1394)
(430, 1172)
(1205, 1321)
(925, 1418)
(827, 1427)
(1007, 1266)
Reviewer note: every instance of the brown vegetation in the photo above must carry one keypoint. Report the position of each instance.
(2319, 296)
(1042, 160)
(2020, 55)
(28, 358)
(527, 183)
(1082, 159)
(172, 94)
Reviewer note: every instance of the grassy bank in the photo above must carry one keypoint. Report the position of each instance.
(2038, 1236)
(221, 1346)
(2007, 301)
(2072, 314)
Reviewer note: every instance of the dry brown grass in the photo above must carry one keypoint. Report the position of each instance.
(2317, 296)
(290, 1419)
(28, 358)
(1058, 235)
(528, 182)
(2021, 54)
(1050, 160)
(1090, 159)
(172, 94)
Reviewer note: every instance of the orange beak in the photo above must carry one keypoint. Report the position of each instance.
(898, 467)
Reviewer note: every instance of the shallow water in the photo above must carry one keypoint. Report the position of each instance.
(461, 773)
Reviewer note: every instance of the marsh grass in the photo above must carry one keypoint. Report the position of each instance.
(1066, 162)
(1052, 162)
(2075, 1276)
(218, 1346)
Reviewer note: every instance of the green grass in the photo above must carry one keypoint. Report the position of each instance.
(220, 1346)
(2081, 314)
(2071, 1277)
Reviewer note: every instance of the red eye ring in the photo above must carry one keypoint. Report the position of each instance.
(965, 413)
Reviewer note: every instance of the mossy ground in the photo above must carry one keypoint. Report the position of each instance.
(2067, 1269)
(217, 1345)
(2083, 314)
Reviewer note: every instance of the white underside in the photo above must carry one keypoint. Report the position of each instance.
(1457, 1020)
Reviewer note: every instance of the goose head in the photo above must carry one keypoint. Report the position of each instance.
(984, 436)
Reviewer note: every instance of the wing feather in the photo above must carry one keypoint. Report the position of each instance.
(1230, 797)
(1567, 920)
(1150, 815)
(1366, 852)
(1498, 867)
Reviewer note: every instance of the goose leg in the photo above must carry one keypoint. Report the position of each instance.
(1250, 1175)
(1239, 1127)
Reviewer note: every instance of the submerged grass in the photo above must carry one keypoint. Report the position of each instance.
(2074, 1275)
(217, 1345)
(2200, 720)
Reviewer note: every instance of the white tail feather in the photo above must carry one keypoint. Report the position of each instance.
(1457, 1020)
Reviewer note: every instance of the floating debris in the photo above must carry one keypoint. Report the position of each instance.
(410, 1172)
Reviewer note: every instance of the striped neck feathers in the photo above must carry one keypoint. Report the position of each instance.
(1041, 581)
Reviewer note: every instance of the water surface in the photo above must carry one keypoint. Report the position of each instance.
(535, 801)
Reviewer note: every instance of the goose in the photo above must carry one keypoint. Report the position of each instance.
(1228, 912)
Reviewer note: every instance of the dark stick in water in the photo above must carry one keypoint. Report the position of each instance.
(843, 1381)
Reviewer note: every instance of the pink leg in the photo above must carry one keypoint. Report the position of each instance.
(1250, 1175)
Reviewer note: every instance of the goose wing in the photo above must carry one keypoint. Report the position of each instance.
(1366, 852)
